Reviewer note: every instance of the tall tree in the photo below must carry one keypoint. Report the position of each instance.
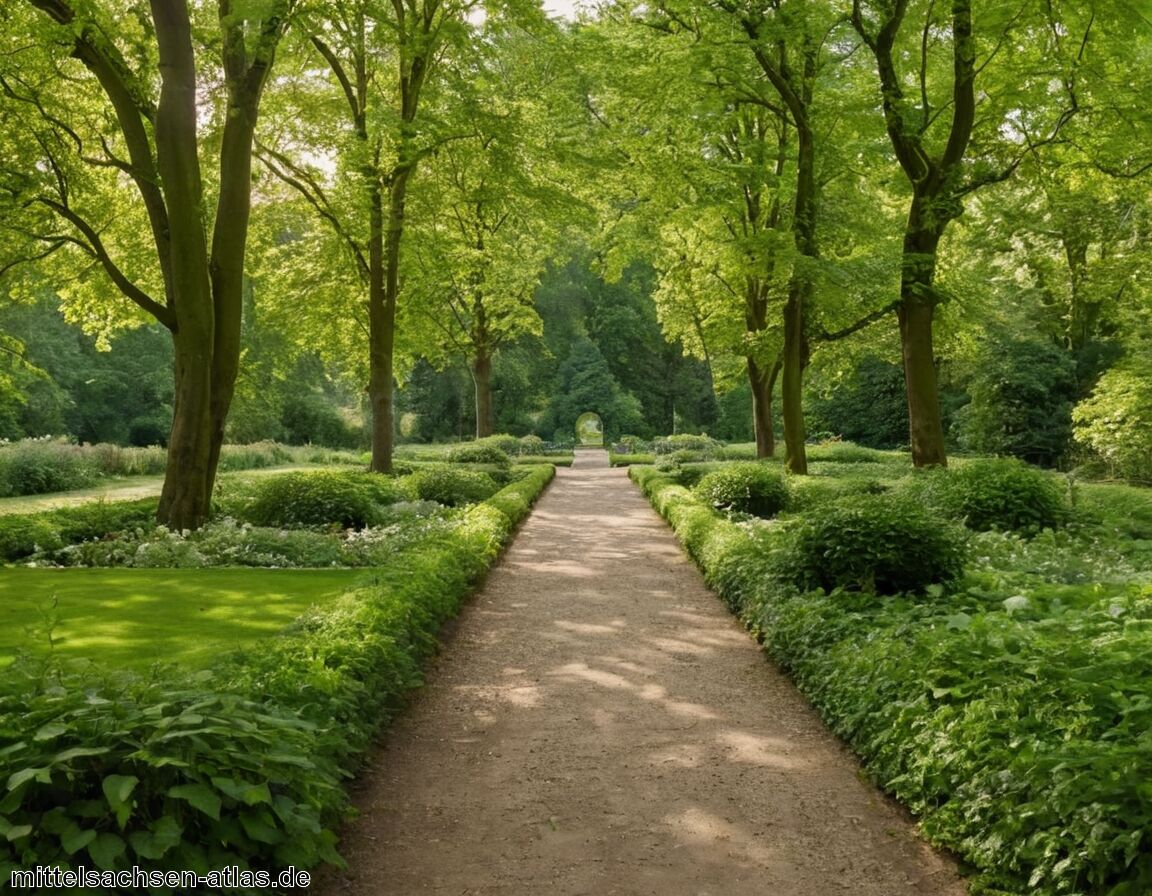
(929, 57)
(490, 211)
(372, 121)
(113, 98)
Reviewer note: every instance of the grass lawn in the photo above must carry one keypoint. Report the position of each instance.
(135, 617)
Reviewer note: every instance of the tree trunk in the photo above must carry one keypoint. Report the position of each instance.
(186, 497)
(482, 377)
(916, 312)
(763, 382)
(383, 293)
(185, 500)
(795, 456)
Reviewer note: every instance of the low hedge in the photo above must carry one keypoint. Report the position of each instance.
(1015, 724)
(244, 764)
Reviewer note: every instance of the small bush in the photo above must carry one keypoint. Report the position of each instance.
(744, 487)
(480, 453)
(632, 445)
(509, 444)
(531, 445)
(452, 487)
(1001, 493)
(873, 543)
(350, 499)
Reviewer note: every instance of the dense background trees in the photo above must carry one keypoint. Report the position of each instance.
(909, 224)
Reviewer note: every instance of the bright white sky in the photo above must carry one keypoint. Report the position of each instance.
(565, 9)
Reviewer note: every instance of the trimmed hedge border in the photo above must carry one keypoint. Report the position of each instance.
(244, 764)
(1016, 727)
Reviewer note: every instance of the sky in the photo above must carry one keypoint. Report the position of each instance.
(563, 8)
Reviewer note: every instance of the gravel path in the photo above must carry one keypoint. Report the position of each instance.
(600, 725)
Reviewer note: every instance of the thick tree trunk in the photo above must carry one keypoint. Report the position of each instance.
(186, 497)
(185, 500)
(763, 382)
(916, 312)
(482, 377)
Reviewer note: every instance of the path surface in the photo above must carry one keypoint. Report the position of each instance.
(600, 725)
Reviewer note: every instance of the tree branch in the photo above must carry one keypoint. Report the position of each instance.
(95, 247)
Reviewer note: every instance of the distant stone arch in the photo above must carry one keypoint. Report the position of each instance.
(589, 429)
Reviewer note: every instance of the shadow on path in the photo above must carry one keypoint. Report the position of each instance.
(601, 725)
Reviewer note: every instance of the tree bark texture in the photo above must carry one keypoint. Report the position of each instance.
(915, 313)
(762, 381)
(482, 379)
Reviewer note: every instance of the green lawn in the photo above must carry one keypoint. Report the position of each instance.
(136, 617)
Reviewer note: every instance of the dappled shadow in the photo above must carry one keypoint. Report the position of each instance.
(600, 725)
(132, 618)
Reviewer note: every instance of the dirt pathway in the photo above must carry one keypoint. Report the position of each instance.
(600, 725)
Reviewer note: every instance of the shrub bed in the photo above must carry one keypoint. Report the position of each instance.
(450, 486)
(744, 487)
(350, 499)
(1008, 710)
(243, 764)
(872, 543)
(22, 535)
(995, 493)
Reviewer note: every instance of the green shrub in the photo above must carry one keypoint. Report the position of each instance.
(479, 453)
(349, 498)
(847, 453)
(509, 444)
(628, 444)
(744, 487)
(40, 466)
(738, 451)
(999, 493)
(1113, 421)
(110, 774)
(531, 445)
(450, 486)
(22, 535)
(873, 543)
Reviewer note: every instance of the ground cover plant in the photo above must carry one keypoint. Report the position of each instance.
(1007, 703)
(242, 762)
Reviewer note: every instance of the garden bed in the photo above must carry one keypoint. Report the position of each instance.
(242, 763)
(1009, 706)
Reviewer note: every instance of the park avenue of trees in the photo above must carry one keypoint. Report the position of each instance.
(908, 222)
